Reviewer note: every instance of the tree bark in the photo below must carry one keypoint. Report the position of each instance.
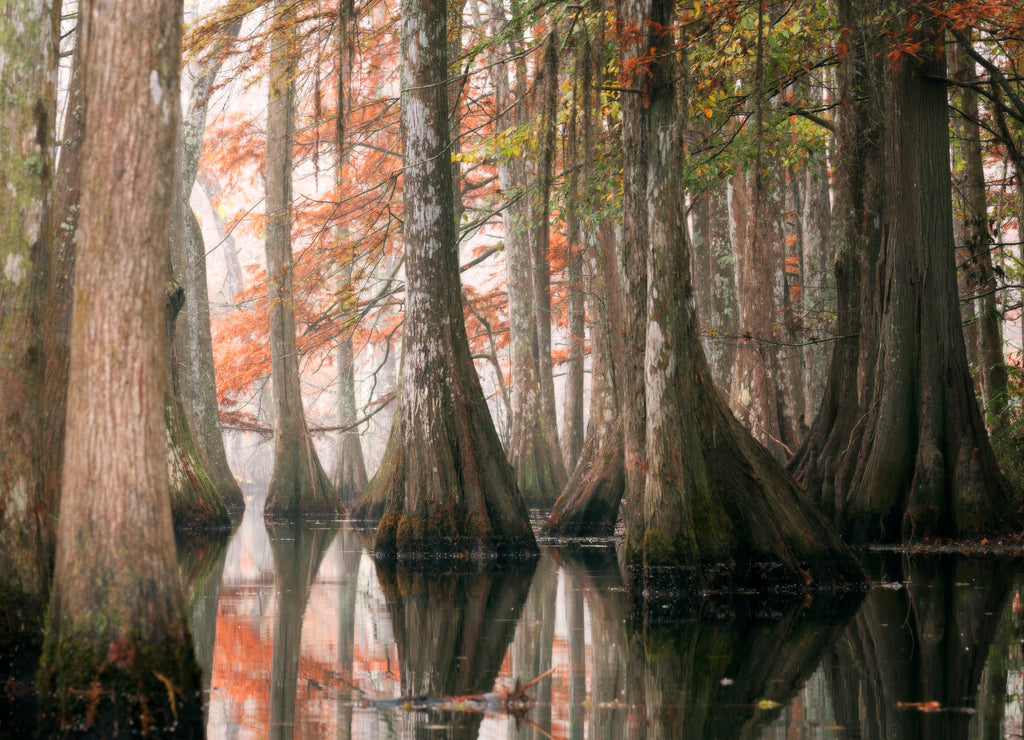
(632, 16)
(900, 451)
(451, 491)
(299, 487)
(533, 451)
(766, 393)
(27, 95)
(572, 405)
(979, 276)
(195, 501)
(193, 345)
(714, 281)
(589, 503)
(350, 469)
(715, 511)
(117, 616)
(540, 239)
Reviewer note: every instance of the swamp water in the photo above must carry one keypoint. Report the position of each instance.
(300, 635)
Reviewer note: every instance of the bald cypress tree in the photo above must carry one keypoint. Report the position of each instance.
(449, 488)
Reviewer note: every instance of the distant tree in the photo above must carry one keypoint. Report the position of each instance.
(589, 502)
(451, 490)
(193, 345)
(27, 88)
(299, 487)
(533, 450)
(984, 317)
(116, 620)
(899, 450)
(195, 500)
(350, 468)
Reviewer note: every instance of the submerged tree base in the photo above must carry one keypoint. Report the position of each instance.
(437, 539)
(722, 588)
(299, 488)
(589, 505)
(133, 688)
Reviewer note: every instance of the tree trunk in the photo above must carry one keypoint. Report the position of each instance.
(27, 89)
(715, 510)
(572, 406)
(451, 492)
(910, 457)
(714, 281)
(633, 16)
(350, 469)
(589, 503)
(60, 294)
(820, 464)
(117, 616)
(766, 394)
(193, 346)
(299, 487)
(195, 501)
(979, 277)
(533, 452)
(540, 242)
(817, 284)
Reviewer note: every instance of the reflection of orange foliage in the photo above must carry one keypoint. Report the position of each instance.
(241, 663)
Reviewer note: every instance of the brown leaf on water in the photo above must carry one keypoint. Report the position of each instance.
(920, 706)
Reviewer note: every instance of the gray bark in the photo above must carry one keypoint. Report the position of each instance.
(299, 487)
(450, 490)
(193, 347)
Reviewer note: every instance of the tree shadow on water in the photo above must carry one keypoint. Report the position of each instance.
(453, 629)
(910, 664)
(719, 670)
(298, 550)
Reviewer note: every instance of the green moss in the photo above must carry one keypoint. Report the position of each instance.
(435, 534)
(385, 541)
(128, 687)
(663, 549)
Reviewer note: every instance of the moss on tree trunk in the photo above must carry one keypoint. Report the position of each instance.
(708, 508)
(450, 491)
(118, 658)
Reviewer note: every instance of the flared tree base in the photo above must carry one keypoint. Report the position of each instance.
(131, 688)
(299, 488)
(589, 505)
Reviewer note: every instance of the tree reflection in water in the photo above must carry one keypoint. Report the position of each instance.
(910, 665)
(313, 641)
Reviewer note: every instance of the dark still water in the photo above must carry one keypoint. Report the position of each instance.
(299, 635)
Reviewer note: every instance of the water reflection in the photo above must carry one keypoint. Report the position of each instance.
(304, 637)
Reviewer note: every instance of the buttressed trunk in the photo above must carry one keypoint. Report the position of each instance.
(299, 487)
(899, 450)
(451, 491)
(715, 511)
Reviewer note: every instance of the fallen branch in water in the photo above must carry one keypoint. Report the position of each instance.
(514, 701)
